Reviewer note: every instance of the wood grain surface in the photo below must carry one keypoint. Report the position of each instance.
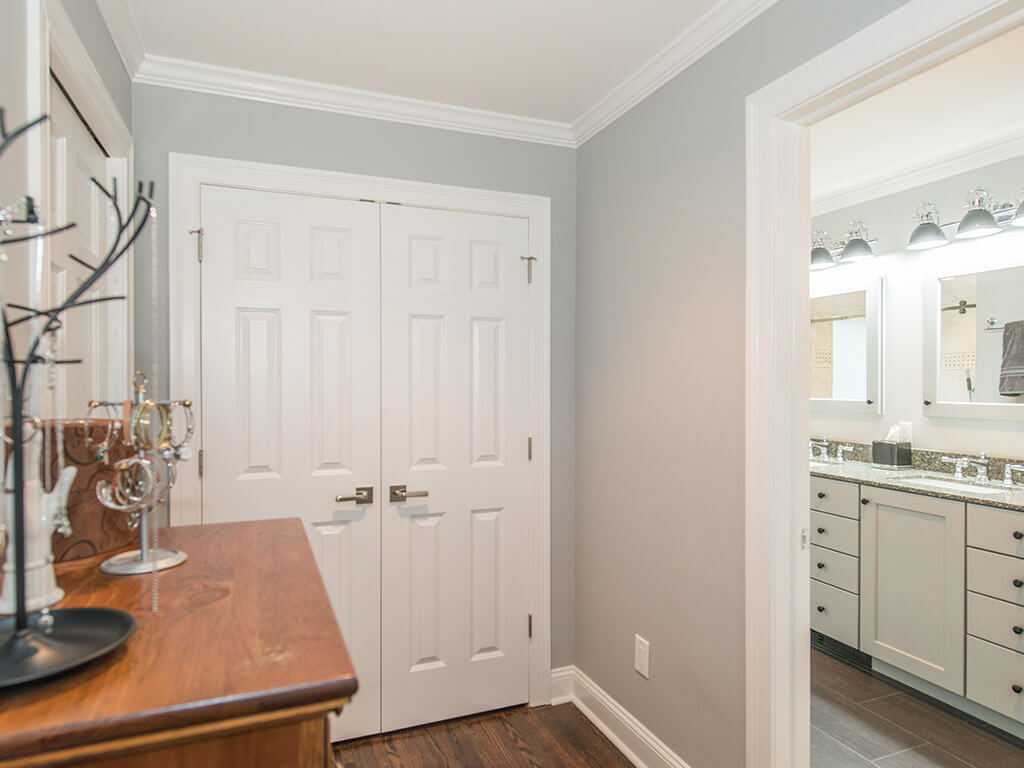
(244, 627)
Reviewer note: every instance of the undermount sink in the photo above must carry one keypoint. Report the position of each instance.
(953, 485)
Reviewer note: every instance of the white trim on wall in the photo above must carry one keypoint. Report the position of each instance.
(188, 173)
(778, 217)
(631, 737)
(704, 34)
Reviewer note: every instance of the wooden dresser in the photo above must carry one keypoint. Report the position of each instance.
(240, 666)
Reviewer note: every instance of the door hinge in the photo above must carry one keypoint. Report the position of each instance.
(529, 449)
(529, 625)
(529, 266)
(803, 538)
(200, 462)
(199, 242)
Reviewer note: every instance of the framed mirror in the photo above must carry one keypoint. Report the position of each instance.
(846, 346)
(966, 318)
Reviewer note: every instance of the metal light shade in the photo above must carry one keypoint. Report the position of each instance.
(927, 235)
(977, 222)
(857, 249)
(821, 258)
(1018, 217)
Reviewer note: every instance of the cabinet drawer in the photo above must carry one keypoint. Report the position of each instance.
(996, 621)
(835, 568)
(836, 497)
(835, 532)
(998, 530)
(995, 575)
(992, 674)
(835, 613)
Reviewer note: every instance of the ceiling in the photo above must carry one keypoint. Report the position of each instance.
(547, 60)
(962, 114)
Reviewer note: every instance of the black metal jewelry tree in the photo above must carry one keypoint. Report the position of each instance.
(50, 642)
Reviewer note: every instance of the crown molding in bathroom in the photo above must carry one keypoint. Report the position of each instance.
(711, 29)
(120, 21)
(926, 171)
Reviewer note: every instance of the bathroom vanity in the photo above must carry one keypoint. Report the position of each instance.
(926, 576)
(241, 665)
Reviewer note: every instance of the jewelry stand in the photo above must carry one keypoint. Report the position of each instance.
(146, 559)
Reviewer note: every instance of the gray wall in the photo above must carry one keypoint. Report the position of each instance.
(660, 384)
(171, 120)
(93, 32)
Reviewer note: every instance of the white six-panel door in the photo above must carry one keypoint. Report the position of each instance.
(455, 330)
(306, 302)
(291, 392)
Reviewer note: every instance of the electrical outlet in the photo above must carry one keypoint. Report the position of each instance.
(642, 656)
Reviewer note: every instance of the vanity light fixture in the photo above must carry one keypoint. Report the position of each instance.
(821, 256)
(857, 247)
(927, 234)
(1018, 217)
(979, 220)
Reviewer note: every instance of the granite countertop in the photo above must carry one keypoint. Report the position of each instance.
(994, 494)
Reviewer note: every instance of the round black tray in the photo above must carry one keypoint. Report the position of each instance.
(75, 636)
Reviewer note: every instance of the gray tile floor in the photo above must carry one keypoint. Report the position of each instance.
(858, 721)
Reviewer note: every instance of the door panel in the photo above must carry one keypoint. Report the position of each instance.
(455, 335)
(291, 392)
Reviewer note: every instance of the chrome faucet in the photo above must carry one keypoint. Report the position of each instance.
(822, 446)
(960, 463)
(1008, 474)
(981, 464)
(841, 452)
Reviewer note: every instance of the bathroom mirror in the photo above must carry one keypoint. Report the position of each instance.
(845, 346)
(968, 320)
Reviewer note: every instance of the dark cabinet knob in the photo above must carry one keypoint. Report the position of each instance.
(1018, 535)
(1016, 688)
(871, 402)
(820, 566)
(821, 494)
(865, 502)
(821, 609)
(1018, 583)
(1018, 630)
(821, 530)
(927, 402)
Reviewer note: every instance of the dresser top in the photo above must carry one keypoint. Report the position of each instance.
(244, 626)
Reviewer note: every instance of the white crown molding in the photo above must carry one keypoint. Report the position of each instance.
(926, 171)
(117, 15)
(711, 29)
(227, 81)
(631, 737)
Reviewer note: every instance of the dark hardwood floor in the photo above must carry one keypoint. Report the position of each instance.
(858, 721)
(542, 737)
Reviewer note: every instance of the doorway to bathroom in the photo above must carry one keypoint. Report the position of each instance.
(878, 568)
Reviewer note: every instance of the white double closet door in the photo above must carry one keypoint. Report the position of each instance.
(355, 345)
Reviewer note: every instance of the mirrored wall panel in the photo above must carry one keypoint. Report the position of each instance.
(974, 311)
(839, 347)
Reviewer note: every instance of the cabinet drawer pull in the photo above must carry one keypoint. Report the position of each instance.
(822, 494)
(865, 502)
(821, 530)
(1018, 630)
(1018, 583)
(820, 566)
(821, 609)
(1016, 688)
(1018, 535)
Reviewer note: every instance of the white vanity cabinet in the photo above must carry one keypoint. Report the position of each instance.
(834, 551)
(995, 609)
(912, 583)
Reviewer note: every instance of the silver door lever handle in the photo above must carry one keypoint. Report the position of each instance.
(398, 494)
(364, 495)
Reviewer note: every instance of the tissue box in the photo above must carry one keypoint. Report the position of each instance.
(888, 454)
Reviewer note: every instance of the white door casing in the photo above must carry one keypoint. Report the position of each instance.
(455, 371)
(291, 389)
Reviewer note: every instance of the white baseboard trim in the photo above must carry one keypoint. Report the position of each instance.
(640, 746)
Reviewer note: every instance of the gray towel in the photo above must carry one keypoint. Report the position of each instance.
(1011, 375)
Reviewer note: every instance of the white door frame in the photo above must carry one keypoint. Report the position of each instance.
(778, 218)
(189, 172)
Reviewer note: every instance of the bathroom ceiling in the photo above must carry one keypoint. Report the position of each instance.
(546, 59)
(964, 113)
